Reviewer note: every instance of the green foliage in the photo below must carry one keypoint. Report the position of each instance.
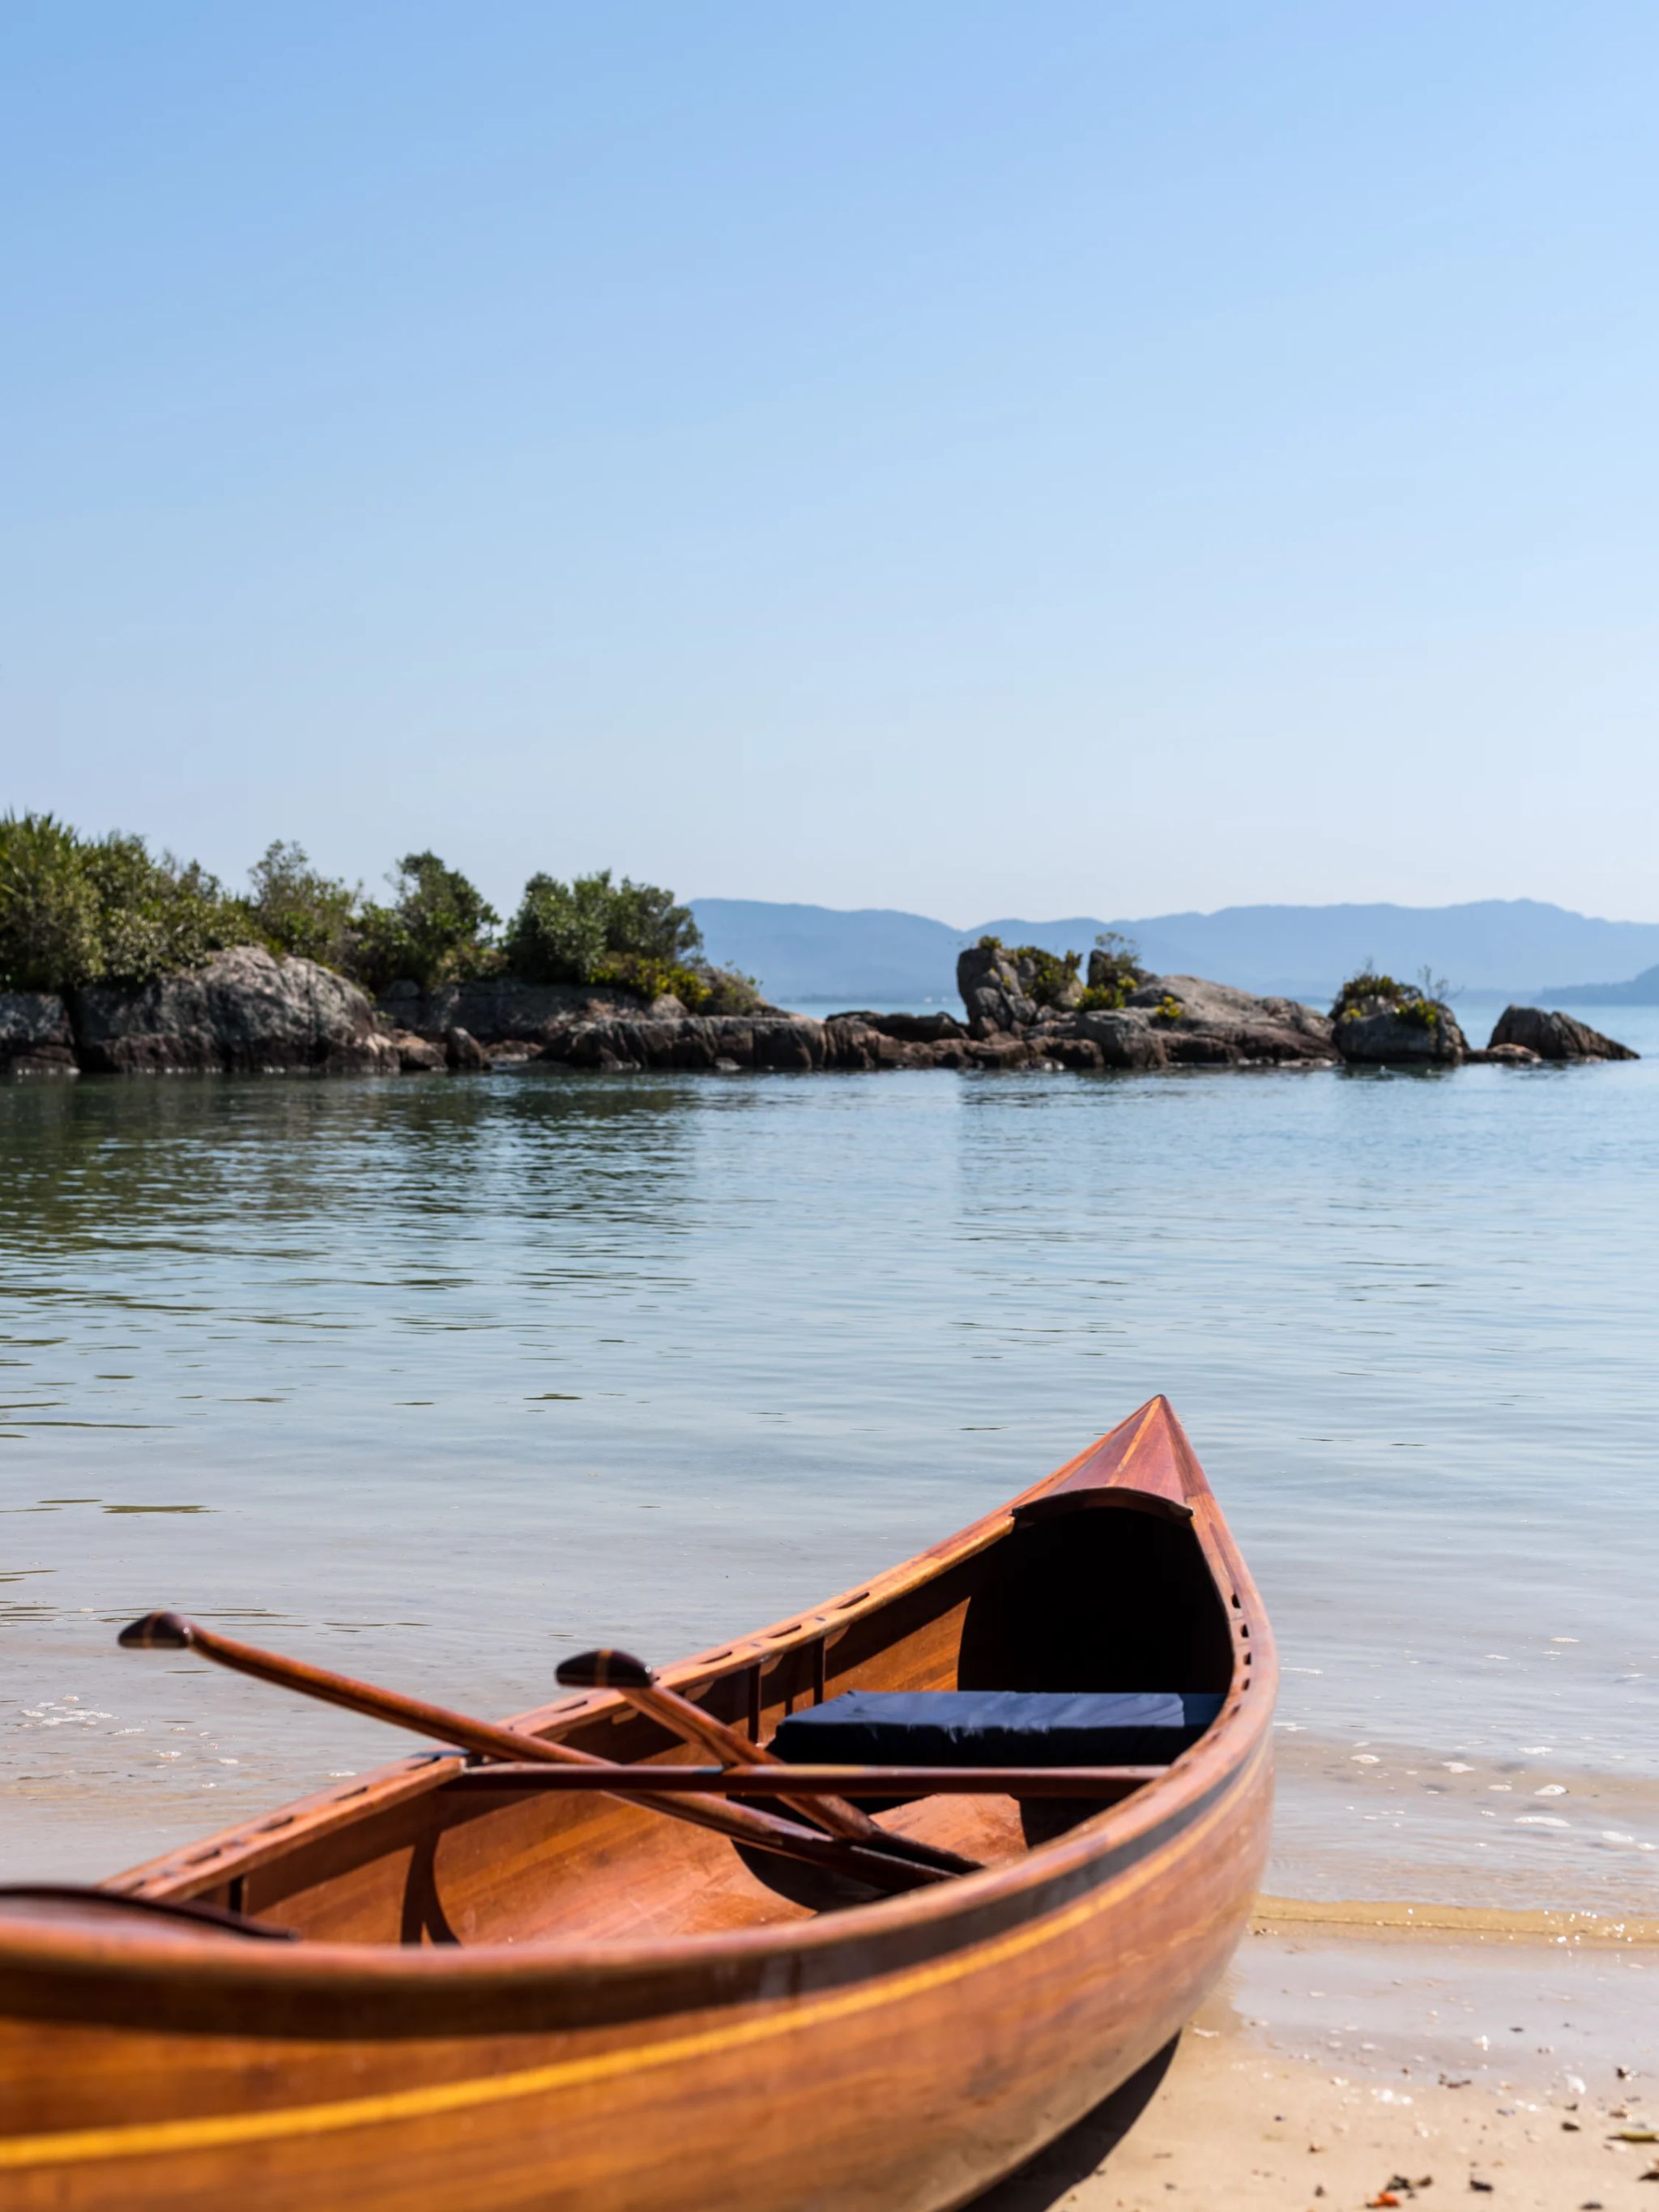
(580, 932)
(76, 910)
(728, 990)
(295, 909)
(652, 979)
(1369, 993)
(1047, 976)
(1167, 1009)
(158, 915)
(50, 933)
(436, 930)
(989, 944)
(1113, 974)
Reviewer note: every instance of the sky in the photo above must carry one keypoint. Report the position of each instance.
(1050, 458)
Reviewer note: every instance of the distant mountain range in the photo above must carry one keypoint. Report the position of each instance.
(1518, 948)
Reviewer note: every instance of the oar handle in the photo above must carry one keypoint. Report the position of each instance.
(172, 1631)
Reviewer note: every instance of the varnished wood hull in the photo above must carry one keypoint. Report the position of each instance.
(901, 2054)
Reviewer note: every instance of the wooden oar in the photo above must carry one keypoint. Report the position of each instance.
(632, 1678)
(744, 1824)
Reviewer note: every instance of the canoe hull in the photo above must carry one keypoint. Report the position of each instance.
(903, 2054)
(914, 2089)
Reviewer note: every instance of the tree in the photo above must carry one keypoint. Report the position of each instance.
(296, 909)
(436, 930)
(592, 930)
(49, 938)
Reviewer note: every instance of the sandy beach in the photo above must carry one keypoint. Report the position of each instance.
(1366, 2055)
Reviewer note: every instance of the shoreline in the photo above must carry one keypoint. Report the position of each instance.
(1352, 2057)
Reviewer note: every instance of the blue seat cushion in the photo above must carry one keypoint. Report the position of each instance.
(997, 1728)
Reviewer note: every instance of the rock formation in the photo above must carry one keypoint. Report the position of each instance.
(1395, 1026)
(1554, 1036)
(35, 1036)
(247, 1011)
(243, 1010)
(1166, 1020)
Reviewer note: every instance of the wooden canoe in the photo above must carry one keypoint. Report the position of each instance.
(522, 1997)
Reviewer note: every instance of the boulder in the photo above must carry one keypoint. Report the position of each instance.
(243, 1010)
(462, 1054)
(416, 1056)
(1503, 1055)
(35, 1036)
(1377, 1032)
(1554, 1036)
(1185, 1021)
(992, 993)
(1213, 1024)
(1123, 1039)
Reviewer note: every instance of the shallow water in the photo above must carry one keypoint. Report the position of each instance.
(436, 1380)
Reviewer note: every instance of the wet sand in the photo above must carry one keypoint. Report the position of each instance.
(1356, 2056)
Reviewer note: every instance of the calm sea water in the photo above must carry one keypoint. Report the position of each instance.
(438, 1379)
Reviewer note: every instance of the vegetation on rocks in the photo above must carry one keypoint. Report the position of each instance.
(1369, 993)
(437, 928)
(75, 910)
(580, 932)
(1114, 973)
(633, 936)
(296, 909)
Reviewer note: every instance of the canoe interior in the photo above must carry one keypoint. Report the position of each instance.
(1085, 1601)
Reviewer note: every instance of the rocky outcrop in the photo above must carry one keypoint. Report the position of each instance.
(909, 1028)
(462, 1054)
(1381, 1032)
(992, 992)
(734, 1043)
(501, 1009)
(1166, 1020)
(1554, 1036)
(244, 1011)
(1503, 1055)
(691, 1042)
(416, 1055)
(35, 1037)
(1184, 1021)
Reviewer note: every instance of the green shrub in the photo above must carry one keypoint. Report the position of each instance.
(158, 915)
(50, 937)
(1047, 976)
(1369, 993)
(579, 932)
(727, 990)
(295, 909)
(1113, 974)
(76, 910)
(436, 930)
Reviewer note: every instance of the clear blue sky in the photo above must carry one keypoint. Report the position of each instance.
(1030, 459)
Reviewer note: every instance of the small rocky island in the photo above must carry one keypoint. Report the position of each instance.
(115, 961)
(246, 1010)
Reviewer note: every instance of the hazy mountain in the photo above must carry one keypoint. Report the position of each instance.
(876, 956)
(1643, 991)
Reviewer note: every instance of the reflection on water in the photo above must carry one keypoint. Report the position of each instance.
(432, 1379)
